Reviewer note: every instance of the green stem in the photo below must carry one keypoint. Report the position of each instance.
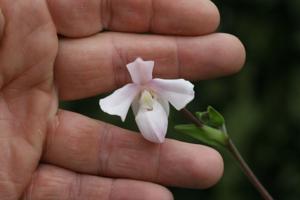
(236, 154)
(191, 117)
(248, 172)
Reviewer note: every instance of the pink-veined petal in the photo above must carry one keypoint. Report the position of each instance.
(140, 71)
(178, 92)
(120, 100)
(153, 124)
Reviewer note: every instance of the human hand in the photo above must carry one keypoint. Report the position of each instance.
(47, 153)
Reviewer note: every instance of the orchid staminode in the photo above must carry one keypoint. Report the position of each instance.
(149, 99)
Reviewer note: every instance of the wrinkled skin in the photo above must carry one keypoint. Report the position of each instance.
(47, 153)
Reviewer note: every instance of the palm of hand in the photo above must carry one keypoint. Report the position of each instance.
(28, 100)
(33, 130)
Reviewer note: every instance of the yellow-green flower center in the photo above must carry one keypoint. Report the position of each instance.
(147, 100)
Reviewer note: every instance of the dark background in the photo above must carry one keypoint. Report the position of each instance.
(261, 104)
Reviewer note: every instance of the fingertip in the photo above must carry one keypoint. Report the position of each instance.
(166, 193)
(212, 168)
(227, 53)
(210, 56)
(212, 17)
(236, 54)
(190, 18)
(205, 167)
(158, 192)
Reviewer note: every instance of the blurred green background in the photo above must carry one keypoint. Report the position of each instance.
(261, 103)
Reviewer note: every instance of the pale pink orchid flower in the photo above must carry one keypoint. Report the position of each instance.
(149, 99)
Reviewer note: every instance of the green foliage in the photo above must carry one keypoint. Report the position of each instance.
(213, 130)
(205, 134)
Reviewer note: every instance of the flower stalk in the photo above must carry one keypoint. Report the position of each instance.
(230, 146)
(248, 172)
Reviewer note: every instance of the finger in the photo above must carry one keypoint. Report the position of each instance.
(54, 183)
(83, 18)
(94, 65)
(1, 24)
(89, 146)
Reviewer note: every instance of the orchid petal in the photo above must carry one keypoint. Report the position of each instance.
(153, 124)
(178, 92)
(140, 71)
(119, 102)
(135, 105)
(165, 105)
